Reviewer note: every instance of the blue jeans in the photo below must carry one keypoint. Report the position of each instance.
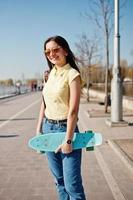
(66, 168)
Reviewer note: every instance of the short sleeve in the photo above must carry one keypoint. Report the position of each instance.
(72, 75)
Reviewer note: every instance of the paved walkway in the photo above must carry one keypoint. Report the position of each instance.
(122, 145)
(112, 158)
(24, 174)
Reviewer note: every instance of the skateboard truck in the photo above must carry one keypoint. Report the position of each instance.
(89, 148)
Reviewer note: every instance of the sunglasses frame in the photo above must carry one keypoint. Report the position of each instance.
(54, 50)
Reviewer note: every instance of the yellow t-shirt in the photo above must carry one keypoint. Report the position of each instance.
(56, 92)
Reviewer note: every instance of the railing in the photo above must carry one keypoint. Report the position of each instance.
(6, 91)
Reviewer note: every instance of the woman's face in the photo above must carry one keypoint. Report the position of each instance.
(55, 53)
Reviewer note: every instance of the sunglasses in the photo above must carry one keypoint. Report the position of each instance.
(54, 50)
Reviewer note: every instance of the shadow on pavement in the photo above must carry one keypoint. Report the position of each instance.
(8, 136)
(130, 123)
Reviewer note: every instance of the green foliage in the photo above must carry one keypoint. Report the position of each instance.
(7, 82)
(31, 81)
(96, 72)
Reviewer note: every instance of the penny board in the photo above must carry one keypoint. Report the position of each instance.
(51, 141)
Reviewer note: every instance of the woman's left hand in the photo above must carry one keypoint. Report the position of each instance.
(64, 148)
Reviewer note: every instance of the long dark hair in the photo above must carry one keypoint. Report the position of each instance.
(70, 58)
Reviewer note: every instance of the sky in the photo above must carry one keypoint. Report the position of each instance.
(25, 25)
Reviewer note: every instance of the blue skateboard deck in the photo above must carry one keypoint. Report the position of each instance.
(50, 141)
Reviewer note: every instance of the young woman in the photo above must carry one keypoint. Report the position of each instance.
(59, 113)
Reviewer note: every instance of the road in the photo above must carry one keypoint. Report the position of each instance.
(24, 174)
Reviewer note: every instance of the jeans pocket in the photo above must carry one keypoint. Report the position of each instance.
(62, 127)
(47, 127)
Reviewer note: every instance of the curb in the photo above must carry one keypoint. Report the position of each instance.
(12, 95)
(96, 114)
(7, 96)
(123, 156)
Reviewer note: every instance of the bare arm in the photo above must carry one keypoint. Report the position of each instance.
(40, 119)
(75, 90)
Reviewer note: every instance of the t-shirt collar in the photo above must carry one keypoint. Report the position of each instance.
(66, 66)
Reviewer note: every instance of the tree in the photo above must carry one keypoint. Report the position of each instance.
(87, 50)
(9, 82)
(101, 13)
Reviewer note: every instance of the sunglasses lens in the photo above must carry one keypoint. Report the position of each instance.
(55, 50)
(47, 53)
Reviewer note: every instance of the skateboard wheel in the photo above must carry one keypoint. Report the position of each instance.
(90, 131)
(40, 152)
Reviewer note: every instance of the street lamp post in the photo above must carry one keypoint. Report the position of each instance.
(116, 84)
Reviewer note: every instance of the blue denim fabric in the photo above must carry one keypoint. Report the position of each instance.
(66, 168)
